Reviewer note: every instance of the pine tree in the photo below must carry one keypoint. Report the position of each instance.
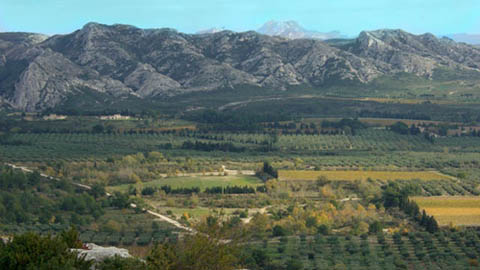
(424, 219)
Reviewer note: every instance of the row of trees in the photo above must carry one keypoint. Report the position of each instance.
(195, 190)
(208, 146)
(394, 196)
(402, 128)
(214, 121)
(267, 172)
(230, 190)
(169, 190)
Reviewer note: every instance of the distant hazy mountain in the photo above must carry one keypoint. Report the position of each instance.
(293, 30)
(100, 63)
(467, 38)
(211, 30)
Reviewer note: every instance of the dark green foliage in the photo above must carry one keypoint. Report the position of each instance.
(170, 190)
(349, 126)
(230, 190)
(267, 172)
(28, 198)
(119, 263)
(71, 238)
(195, 252)
(233, 121)
(294, 264)
(148, 191)
(208, 147)
(260, 257)
(394, 196)
(120, 200)
(31, 251)
(279, 231)
(400, 128)
(98, 129)
(375, 227)
(9, 139)
(323, 229)
(98, 190)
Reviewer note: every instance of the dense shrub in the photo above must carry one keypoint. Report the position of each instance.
(32, 251)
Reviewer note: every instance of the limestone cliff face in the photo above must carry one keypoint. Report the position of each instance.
(39, 72)
(397, 50)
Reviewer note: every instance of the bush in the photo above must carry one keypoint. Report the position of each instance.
(144, 239)
(119, 263)
(32, 251)
(148, 191)
(323, 229)
(375, 227)
(279, 231)
(294, 264)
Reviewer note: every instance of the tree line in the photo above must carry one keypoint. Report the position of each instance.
(230, 190)
(209, 146)
(196, 190)
(394, 196)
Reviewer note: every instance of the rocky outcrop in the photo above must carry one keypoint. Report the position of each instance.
(146, 81)
(122, 62)
(399, 51)
(99, 254)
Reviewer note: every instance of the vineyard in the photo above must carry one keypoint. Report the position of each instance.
(455, 210)
(420, 250)
(361, 175)
(33, 147)
(365, 140)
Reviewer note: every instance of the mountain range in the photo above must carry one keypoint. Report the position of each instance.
(467, 38)
(125, 62)
(293, 30)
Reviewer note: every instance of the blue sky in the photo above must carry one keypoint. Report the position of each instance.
(348, 16)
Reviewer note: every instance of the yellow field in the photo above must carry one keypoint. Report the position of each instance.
(360, 175)
(458, 210)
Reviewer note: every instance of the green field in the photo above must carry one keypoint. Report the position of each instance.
(201, 182)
